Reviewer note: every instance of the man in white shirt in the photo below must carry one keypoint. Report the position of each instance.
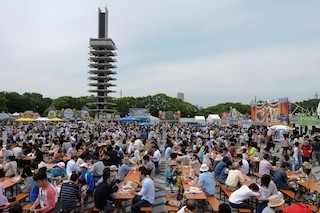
(147, 193)
(156, 157)
(72, 166)
(139, 144)
(239, 197)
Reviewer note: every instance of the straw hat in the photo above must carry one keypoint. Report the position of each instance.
(173, 163)
(275, 200)
(204, 167)
(306, 165)
(188, 149)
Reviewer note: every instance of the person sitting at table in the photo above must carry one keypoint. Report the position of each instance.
(244, 164)
(98, 167)
(234, 177)
(220, 166)
(27, 177)
(173, 157)
(10, 167)
(275, 201)
(59, 172)
(47, 196)
(224, 174)
(72, 150)
(149, 165)
(104, 194)
(239, 198)
(145, 197)
(58, 155)
(195, 164)
(265, 166)
(281, 179)
(305, 172)
(3, 198)
(206, 181)
(226, 153)
(171, 174)
(16, 208)
(87, 175)
(124, 168)
(72, 166)
(268, 187)
(191, 206)
(38, 153)
(70, 194)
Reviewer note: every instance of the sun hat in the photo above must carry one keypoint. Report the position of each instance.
(275, 200)
(61, 165)
(204, 167)
(113, 167)
(173, 163)
(84, 165)
(42, 165)
(306, 165)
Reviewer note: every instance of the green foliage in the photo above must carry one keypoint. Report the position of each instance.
(156, 103)
(225, 107)
(310, 105)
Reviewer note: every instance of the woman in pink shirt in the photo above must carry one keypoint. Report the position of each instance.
(47, 197)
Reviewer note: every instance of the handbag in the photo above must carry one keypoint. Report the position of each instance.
(302, 195)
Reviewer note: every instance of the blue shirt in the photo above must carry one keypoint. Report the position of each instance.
(207, 183)
(280, 179)
(123, 170)
(34, 192)
(223, 176)
(170, 177)
(218, 169)
(87, 175)
(147, 191)
(56, 173)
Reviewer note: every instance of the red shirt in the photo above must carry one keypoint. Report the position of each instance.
(305, 150)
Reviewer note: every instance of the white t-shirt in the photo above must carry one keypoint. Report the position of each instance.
(182, 209)
(242, 194)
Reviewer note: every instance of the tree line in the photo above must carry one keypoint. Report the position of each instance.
(14, 102)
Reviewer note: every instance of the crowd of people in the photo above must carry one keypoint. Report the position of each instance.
(92, 160)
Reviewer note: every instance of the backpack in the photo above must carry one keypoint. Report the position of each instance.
(297, 208)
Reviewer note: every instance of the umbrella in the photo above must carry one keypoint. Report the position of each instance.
(56, 119)
(25, 119)
(42, 119)
(280, 127)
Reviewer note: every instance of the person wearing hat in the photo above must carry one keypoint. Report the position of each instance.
(59, 172)
(275, 201)
(206, 180)
(171, 174)
(87, 175)
(306, 173)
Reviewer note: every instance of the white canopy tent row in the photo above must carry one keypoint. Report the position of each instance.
(200, 119)
(213, 119)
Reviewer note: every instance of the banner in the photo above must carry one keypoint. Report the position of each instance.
(139, 112)
(169, 115)
(308, 120)
(271, 112)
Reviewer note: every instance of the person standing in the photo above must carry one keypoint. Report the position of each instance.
(145, 197)
(315, 150)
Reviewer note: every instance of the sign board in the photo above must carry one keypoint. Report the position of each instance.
(139, 112)
(68, 113)
(308, 120)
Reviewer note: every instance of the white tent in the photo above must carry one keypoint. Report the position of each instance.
(214, 118)
(200, 119)
(153, 119)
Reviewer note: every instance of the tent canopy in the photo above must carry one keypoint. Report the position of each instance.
(130, 118)
(213, 118)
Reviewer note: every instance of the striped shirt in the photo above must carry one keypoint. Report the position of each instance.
(69, 196)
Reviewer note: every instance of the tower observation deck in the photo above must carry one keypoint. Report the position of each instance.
(101, 66)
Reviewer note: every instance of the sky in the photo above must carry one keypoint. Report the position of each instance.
(213, 51)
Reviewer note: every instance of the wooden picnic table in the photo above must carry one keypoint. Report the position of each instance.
(8, 183)
(310, 185)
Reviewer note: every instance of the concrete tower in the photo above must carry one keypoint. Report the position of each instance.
(102, 53)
